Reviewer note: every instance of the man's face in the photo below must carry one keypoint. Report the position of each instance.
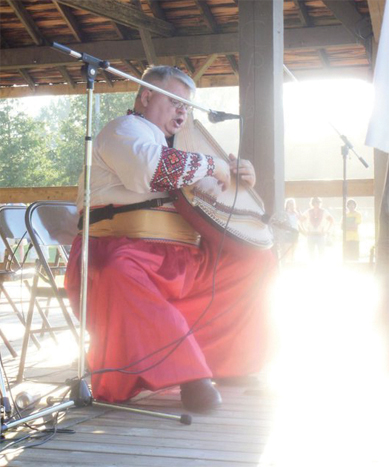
(159, 109)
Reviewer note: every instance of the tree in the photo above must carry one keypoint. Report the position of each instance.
(24, 157)
(49, 150)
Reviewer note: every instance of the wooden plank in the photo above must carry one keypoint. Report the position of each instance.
(29, 195)
(57, 458)
(152, 451)
(326, 188)
(122, 13)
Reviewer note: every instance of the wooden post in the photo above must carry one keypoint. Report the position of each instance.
(260, 82)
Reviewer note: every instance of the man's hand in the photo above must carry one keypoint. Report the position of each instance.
(246, 169)
(222, 173)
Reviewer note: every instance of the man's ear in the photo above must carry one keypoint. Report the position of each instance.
(145, 97)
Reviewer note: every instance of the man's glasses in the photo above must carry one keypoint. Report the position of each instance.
(180, 105)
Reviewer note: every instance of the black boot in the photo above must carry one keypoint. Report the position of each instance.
(200, 396)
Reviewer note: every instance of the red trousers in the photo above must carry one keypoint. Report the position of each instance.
(149, 309)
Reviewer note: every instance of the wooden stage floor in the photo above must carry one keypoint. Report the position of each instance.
(322, 402)
(235, 435)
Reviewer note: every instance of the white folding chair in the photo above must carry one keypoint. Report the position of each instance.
(13, 236)
(51, 225)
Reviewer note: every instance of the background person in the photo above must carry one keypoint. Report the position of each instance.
(353, 221)
(316, 224)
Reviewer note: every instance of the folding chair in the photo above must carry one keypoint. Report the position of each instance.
(51, 225)
(12, 233)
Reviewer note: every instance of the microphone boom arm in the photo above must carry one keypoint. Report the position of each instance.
(106, 66)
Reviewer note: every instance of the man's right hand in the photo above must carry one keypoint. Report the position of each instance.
(222, 173)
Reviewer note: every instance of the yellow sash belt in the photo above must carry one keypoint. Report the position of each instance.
(153, 224)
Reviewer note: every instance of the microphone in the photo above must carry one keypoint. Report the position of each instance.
(216, 117)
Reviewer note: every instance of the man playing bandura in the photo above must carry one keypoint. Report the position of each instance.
(150, 275)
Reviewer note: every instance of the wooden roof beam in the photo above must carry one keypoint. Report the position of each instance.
(303, 13)
(27, 78)
(376, 9)
(64, 72)
(156, 9)
(70, 20)
(207, 15)
(348, 15)
(107, 77)
(27, 21)
(123, 32)
(122, 13)
(213, 26)
(222, 44)
(234, 64)
(147, 40)
(188, 64)
(324, 58)
(133, 69)
(208, 62)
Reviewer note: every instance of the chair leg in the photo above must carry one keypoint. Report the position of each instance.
(17, 312)
(8, 344)
(45, 321)
(27, 333)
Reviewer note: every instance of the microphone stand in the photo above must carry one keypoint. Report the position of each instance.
(345, 149)
(80, 395)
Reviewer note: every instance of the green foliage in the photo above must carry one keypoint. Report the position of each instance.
(23, 148)
(49, 149)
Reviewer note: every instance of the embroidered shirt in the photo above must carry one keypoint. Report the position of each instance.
(131, 162)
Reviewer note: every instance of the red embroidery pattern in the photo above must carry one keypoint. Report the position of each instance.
(174, 165)
(134, 112)
(211, 166)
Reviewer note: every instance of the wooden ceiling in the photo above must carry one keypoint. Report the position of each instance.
(322, 38)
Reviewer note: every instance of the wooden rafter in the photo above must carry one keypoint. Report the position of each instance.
(64, 72)
(133, 69)
(147, 40)
(70, 20)
(324, 58)
(122, 13)
(204, 67)
(28, 79)
(107, 78)
(207, 15)
(156, 9)
(27, 21)
(303, 13)
(222, 44)
(123, 32)
(234, 64)
(188, 64)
